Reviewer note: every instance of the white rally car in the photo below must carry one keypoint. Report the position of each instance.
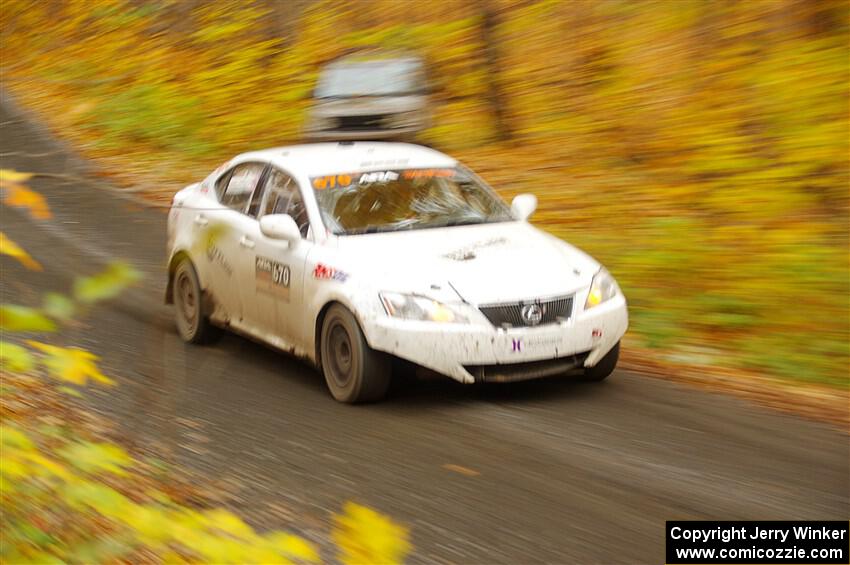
(348, 254)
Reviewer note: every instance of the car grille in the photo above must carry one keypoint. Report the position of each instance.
(513, 372)
(360, 123)
(553, 310)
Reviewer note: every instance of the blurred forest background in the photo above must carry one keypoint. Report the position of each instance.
(697, 148)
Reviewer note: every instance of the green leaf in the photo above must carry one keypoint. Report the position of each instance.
(13, 437)
(80, 494)
(58, 306)
(15, 358)
(92, 457)
(210, 237)
(14, 318)
(105, 549)
(107, 284)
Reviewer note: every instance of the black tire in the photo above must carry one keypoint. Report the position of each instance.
(354, 372)
(192, 325)
(605, 367)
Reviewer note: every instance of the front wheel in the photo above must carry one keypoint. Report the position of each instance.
(605, 366)
(354, 372)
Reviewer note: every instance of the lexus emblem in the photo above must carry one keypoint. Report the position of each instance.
(532, 314)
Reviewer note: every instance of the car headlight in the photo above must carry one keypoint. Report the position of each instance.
(416, 307)
(602, 288)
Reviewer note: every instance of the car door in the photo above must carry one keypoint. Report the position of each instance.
(227, 251)
(278, 273)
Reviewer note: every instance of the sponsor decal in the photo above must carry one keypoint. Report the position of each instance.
(519, 345)
(215, 255)
(272, 277)
(349, 179)
(385, 163)
(329, 273)
(467, 253)
(380, 176)
(427, 173)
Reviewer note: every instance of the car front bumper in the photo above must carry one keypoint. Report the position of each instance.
(470, 352)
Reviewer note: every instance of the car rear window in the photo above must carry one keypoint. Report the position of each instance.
(371, 78)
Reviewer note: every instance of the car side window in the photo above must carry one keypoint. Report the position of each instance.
(240, 185)
(221, 184)
(283, 197)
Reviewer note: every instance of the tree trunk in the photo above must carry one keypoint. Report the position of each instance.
(495, 96)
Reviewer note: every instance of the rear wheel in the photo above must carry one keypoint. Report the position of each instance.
(192, 325)
(605, 367)
(354, 372)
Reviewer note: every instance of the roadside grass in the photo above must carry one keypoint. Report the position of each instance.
(699, 153)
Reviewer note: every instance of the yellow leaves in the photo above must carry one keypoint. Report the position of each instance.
(106, 284)
(15, 358)
(149, 522)
(58, 306)
(21, 457)
(12, 249)
(17, 195)
(97, 457)
(13, 177)
(228, 522)
(71, 480)
(14, 318)
(293, 546)
(365, 536)
(71, 364)
(13, 437)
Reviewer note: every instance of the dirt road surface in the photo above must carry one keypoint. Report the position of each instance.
(546, 471)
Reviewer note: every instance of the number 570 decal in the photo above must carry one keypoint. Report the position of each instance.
(272, 277)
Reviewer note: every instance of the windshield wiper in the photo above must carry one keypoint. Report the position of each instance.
(466, 221)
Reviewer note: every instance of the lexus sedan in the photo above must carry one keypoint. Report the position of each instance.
(351, 254)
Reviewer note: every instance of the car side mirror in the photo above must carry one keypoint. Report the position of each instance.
(523, 206)
(280, 226)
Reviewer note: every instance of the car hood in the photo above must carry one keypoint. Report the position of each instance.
(483, 264)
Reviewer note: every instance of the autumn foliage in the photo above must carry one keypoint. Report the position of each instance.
(71, 493)
(698, 149)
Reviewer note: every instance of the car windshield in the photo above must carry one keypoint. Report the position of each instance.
(405, 199)
(370, 78)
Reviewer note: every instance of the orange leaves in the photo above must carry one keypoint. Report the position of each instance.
(18, 195)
